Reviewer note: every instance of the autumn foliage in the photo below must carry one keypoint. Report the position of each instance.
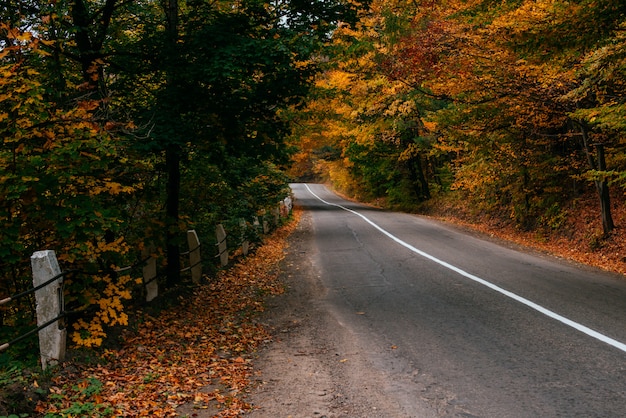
(196, 355)
(513, 107)
(125, 124)
(61, 181)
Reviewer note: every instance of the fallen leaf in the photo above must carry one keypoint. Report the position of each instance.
(204, 340)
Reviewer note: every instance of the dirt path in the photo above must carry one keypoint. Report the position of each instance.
(314, 367)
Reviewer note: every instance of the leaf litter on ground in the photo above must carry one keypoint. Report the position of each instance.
(196, 353)
(199, 354)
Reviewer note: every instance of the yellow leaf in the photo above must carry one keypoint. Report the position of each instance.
(431, 126)
(46, 42)
(25, 36)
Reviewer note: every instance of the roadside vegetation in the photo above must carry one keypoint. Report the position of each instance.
(124, 124)
(502, 113)
(190, 354)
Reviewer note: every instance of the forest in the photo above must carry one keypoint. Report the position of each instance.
(126, 122)
(509, 109)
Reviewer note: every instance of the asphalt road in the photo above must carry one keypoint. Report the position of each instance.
(461, 325)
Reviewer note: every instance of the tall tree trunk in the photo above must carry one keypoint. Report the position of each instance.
(420, 184)
(603, 192)
(602, 186)
(172, 155)
(172, 162)
(82, 23)
(90, 51)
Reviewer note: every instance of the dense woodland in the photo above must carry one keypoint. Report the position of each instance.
(514, 108)
(125, 122)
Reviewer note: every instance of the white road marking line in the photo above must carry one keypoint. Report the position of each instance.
(530, 304)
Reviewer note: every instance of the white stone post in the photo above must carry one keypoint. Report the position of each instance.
(194, 256)
(222, 246)
(52, 339)
(150, 274)
(288, 204)
(245, 244)
(276, 213)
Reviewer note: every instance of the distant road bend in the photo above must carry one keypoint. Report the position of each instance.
(478, 328)
(538, 308)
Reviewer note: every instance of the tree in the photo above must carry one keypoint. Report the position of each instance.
(599, 103)
(220, 86)
(498, 92)
(62, 180)
(373, 117)
(105, 107)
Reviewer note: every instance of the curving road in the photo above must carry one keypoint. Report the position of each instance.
(423, 319)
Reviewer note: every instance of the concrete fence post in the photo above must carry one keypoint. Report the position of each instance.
(52, 339)
(194, 256)
(276, 214)
(222, 246)
(245, 244)
(288, 204)
(150, 274)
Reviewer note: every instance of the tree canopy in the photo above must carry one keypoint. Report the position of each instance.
(512, 104)
(124, 123)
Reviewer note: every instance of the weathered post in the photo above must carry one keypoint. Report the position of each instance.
(245, 244)
(150, 275)
(222, 246)
(194, 256)
(288, 204)
(276, 214)
(49, 299)
(265, 227)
